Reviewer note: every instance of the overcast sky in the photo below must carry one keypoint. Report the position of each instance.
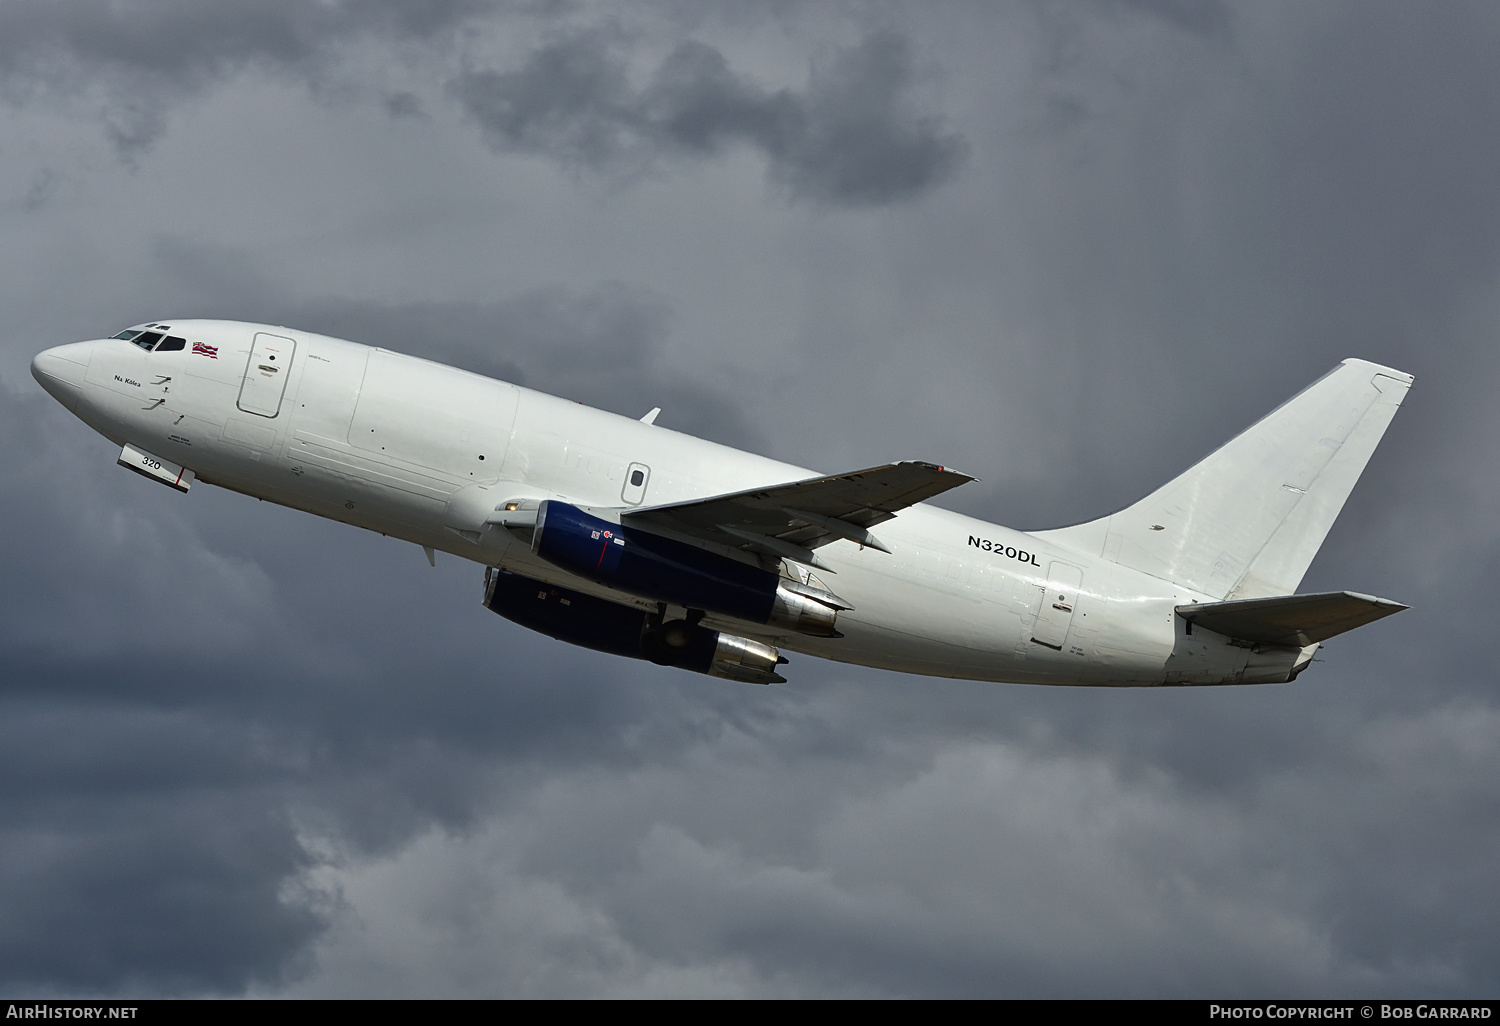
(1068, 248)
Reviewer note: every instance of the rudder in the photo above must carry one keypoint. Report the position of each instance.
(1246, 521)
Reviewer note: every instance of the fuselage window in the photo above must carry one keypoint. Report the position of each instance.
(171, 344)
(129, 334)
(147, 339)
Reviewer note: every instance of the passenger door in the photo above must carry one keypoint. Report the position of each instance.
(265, 374)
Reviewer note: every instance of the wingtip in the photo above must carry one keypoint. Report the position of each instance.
(941, 469)
(1376, 600)
(1379, 368)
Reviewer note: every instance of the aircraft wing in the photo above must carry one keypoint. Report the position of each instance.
(790, 520)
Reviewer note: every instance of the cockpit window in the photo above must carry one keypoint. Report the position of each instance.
(147, 339)
(171, 344)
(129, 334)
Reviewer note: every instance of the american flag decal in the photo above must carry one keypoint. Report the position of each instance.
(204, 349)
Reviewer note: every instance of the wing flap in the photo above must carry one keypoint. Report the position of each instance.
(803, 515)
(1299, 620)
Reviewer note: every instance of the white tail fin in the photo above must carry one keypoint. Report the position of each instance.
(1247, 520)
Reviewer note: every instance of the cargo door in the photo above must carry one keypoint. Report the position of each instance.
(1054, 613)
(265, 374)
(441, 418)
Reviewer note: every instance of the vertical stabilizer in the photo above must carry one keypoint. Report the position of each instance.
(1247, 520)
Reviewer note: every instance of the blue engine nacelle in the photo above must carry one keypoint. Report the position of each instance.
(664, 570)
(621, 630)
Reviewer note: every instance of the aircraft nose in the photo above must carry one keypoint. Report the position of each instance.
(61, 371)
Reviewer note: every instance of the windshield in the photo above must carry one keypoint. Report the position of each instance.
(148, 340)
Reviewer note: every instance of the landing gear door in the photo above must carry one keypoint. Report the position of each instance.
(265, 374)
(1055, 613)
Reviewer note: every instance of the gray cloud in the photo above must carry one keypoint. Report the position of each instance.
(850, 139)
(133, 865)
(961, 874)
(1202, 17)
(146, 56)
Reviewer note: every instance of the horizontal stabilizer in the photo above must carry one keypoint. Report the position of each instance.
(1298, 620)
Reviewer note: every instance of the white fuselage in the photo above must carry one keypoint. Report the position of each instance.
(420, 451)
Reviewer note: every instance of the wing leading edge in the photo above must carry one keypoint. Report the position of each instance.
(789, 521)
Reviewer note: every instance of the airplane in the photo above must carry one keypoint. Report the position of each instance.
(624, 536)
